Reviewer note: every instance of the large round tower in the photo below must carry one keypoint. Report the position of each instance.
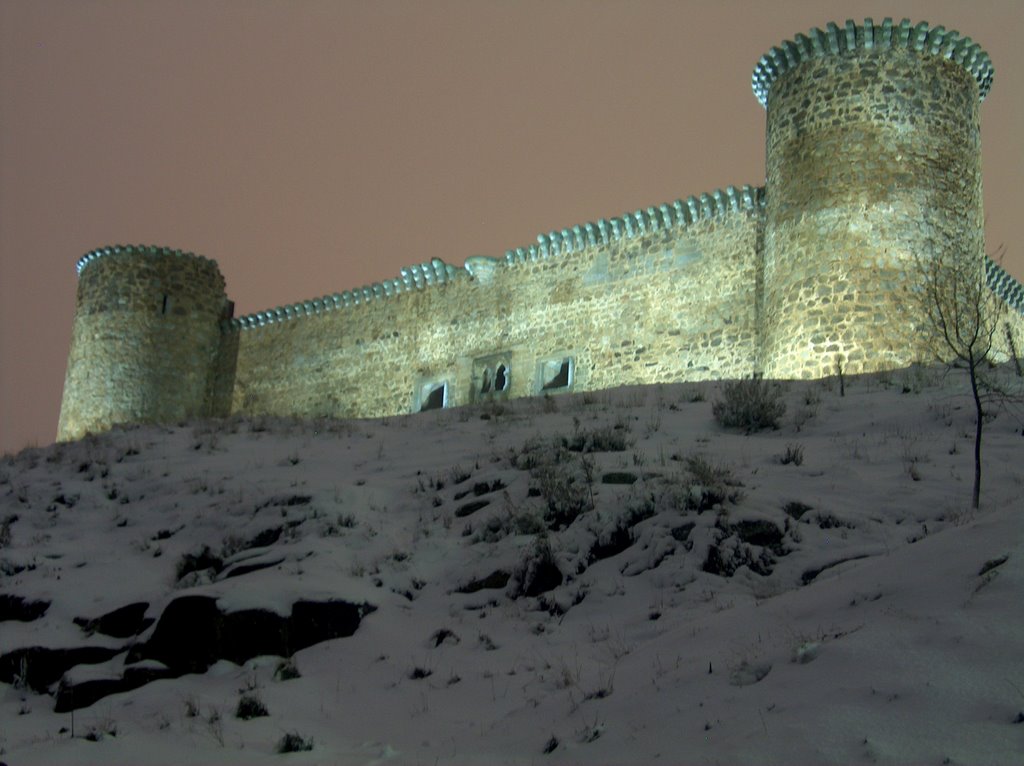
(873, 163)
(145, 339)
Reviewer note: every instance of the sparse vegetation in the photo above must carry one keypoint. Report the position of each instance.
(752, 404)
(794, 455)
(656, 529)
(293, 742)
(710, 484)
(198, 562)
(964, 317)
(538, 572)
(287, 670)
(250, 706)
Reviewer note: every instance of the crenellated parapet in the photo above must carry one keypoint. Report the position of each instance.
(677, 215)
(852, 37)
(416, 277)
(100, 252)
(1004, 286)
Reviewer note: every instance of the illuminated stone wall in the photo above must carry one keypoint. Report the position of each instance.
(1010, 293)
(873, 167)
(145, 339)
(634, 306)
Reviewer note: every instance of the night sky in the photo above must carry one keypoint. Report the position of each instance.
(312, 147)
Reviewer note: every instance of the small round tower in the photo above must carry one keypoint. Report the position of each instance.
(873, 163)
(145, 339)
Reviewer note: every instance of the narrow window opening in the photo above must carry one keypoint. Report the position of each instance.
(166, 304)
(486, 387)
(501, 378)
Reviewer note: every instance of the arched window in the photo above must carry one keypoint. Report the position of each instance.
(492, 377)
(501, 378)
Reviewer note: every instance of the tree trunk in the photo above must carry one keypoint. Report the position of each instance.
(972, 365)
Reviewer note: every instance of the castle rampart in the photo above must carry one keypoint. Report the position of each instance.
(631, 307)
(873, 160)
(145, 338)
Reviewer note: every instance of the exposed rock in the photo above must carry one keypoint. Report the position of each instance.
(243, 569)
(543, 576)
(127, 621)
(763, 533)
(610, 544)
(496, 579)
(23, 610)
(39, 668)
(71, 696)
(471, 507)
(619, 477)
(193, 633)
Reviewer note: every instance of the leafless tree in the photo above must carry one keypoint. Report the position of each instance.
(963, 315)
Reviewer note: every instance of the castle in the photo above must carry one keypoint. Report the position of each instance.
(873, 163)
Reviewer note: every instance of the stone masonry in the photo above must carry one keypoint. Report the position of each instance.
(873, 167)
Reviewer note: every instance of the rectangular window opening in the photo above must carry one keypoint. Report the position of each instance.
(556, 373)
(433, 396)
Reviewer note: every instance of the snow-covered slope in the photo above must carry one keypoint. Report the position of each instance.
(595, 578)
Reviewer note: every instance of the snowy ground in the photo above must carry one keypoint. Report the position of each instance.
(716, 604)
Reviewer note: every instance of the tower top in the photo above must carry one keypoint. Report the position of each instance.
(151, 250)
(836, 41)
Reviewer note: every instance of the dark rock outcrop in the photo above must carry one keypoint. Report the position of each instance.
(24, 610)
(497, 579)
(125, 622)
(193, 633)
(39, 668)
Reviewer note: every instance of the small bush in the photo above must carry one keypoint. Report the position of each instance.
(287, 670)
(710, 484)
(794, 455)
(607, 439)
(795, 509)
(752, 404)
(250, 706)
(565, 492)
(197, 562)
(293, 742)
(538, 572)
(5, 529)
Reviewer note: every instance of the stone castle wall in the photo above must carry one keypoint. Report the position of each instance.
(146, 334)
(874, 167)
(873, 171)
(629, 306)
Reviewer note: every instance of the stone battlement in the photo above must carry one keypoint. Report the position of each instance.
(873, 163)
(854, 38)
(100, 252)
(436, 272)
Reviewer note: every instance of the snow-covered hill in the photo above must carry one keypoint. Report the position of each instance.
(594, 578)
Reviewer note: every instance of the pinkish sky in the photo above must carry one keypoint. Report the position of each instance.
(311, 147)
